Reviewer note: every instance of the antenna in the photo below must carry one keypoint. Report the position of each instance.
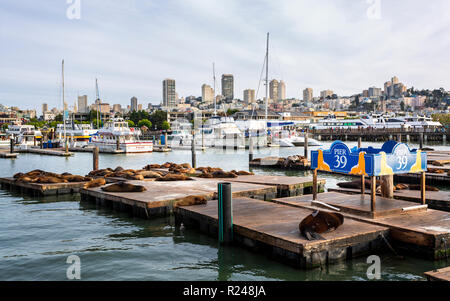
(267, 73)
(214, 76)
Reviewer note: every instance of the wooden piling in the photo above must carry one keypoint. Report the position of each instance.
(423, 187)
(363, 184)
(225, 213)
(11, 145)
(306, 144)
(421, 140)
(194, 155)
(359, 141)
(117, 144)
(95, 154)
(315, 188)
(250, 147)
(373, 192)
(387, 186)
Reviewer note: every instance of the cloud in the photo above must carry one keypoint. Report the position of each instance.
(131, 46)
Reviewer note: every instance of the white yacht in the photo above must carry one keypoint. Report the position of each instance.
(116, 134)
(285, 134)
(255, 129)
(24, 134)
(421, 122)
(226, 133)
(77, 134)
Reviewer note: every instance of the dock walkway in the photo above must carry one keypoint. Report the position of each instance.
(274, 229)
(37, 189)
(439, 275)
(422, 232)
(439, 200)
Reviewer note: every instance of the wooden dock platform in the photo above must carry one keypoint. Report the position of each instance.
(36, 189)
(274, 229)
(45, 151)
(160, 196)
(420, 232)
(439, 200)
(439, 275)
(286, 186)
(8, 155)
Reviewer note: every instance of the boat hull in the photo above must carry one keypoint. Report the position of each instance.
(135, 147)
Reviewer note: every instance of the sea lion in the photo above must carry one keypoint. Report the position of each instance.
(26, 179)
(148, 174)
(152, 166)
(356, 184)
(124, 187)
(242, 173)
(223, 175)
(206, 175)
(174, 177)
(418, 187)
(95, 183)
(50, 180)
(186, 165)
(18, 175)
(166, 165)
(136, 177)
(320, 222)
(436, 170)
(191, 200)
(118, 168)
(401, 186)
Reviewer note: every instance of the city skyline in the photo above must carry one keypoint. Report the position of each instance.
(343, 54)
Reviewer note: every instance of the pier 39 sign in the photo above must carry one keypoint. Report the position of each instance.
(391, 158)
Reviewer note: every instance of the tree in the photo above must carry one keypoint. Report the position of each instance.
(157, 119)
(145, 122)
(130, 123)
(231, 111)
(136, 116)
(165, 125)
(100, 123)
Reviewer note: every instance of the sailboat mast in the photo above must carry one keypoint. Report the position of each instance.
(267, 74)
(64, 102)
(214, 76)
(98, 102)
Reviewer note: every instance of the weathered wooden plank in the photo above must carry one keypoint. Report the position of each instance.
(439, 275)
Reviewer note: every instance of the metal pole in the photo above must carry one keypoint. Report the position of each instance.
(194, 155)
(225, 213)
(306, 144)
(95, 154)
(315, 188)
(250, 151)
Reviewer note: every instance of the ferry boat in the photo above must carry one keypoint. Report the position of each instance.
(117, 135)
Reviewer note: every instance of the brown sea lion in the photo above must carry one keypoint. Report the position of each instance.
(206, 175)
(152, 166)
(401, 186)
(191, 200)
(320, 222)
(75, 178)
(186, 165)
(174, 177)
(137, 177)
(148, 174)
(124, 187)
(223, 175)
(95, 183)
(242, 173)
(418, 187)
(435, 170)
(356, 184)
(26, 179)
(18, 175)
(166, 165)
(50, 180)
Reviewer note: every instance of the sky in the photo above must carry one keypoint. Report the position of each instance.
(132, 45)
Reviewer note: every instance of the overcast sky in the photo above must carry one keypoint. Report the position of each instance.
(132, 45)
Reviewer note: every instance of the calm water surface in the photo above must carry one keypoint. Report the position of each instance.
(38, 234)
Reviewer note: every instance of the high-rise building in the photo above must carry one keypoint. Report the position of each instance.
(308, 95)
(249, 96)
(374, 92)
(44, 108)
(117, 108)
(82, 104)
(324, 94)
(273, 90)
(394, 80)
(281, 90)
(169, 93)
(207, 94)
(140, 107)
(134, 104)
(228, 86)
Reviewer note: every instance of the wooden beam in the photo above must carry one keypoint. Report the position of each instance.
(315, 187)
(373, 192)
(423, 187)
(363, 185)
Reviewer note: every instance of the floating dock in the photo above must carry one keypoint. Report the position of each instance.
(439, 275)
(8, 155)
(439, 200)
(279, 163)
(425, 233)
(45, 151)
(274, 229)
(286, 186)
(37, 189)
(160, 196)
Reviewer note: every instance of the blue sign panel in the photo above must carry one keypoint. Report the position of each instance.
(392, 158)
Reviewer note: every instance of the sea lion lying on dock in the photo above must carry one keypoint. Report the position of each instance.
(101, 172)
(123, 187)
(148, 174)
(402, 186)
(436, 170)
(242, 173)
(191, 200)
(356, 184)
(174, 177)
(50, 180)
(43, 177)
(95, 183)
(152, 166)
(220, 174)
(320, 222)
(208, 169)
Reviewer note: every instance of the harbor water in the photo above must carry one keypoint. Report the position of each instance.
(38, 234)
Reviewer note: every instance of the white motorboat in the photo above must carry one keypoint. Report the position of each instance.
(117, 135)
